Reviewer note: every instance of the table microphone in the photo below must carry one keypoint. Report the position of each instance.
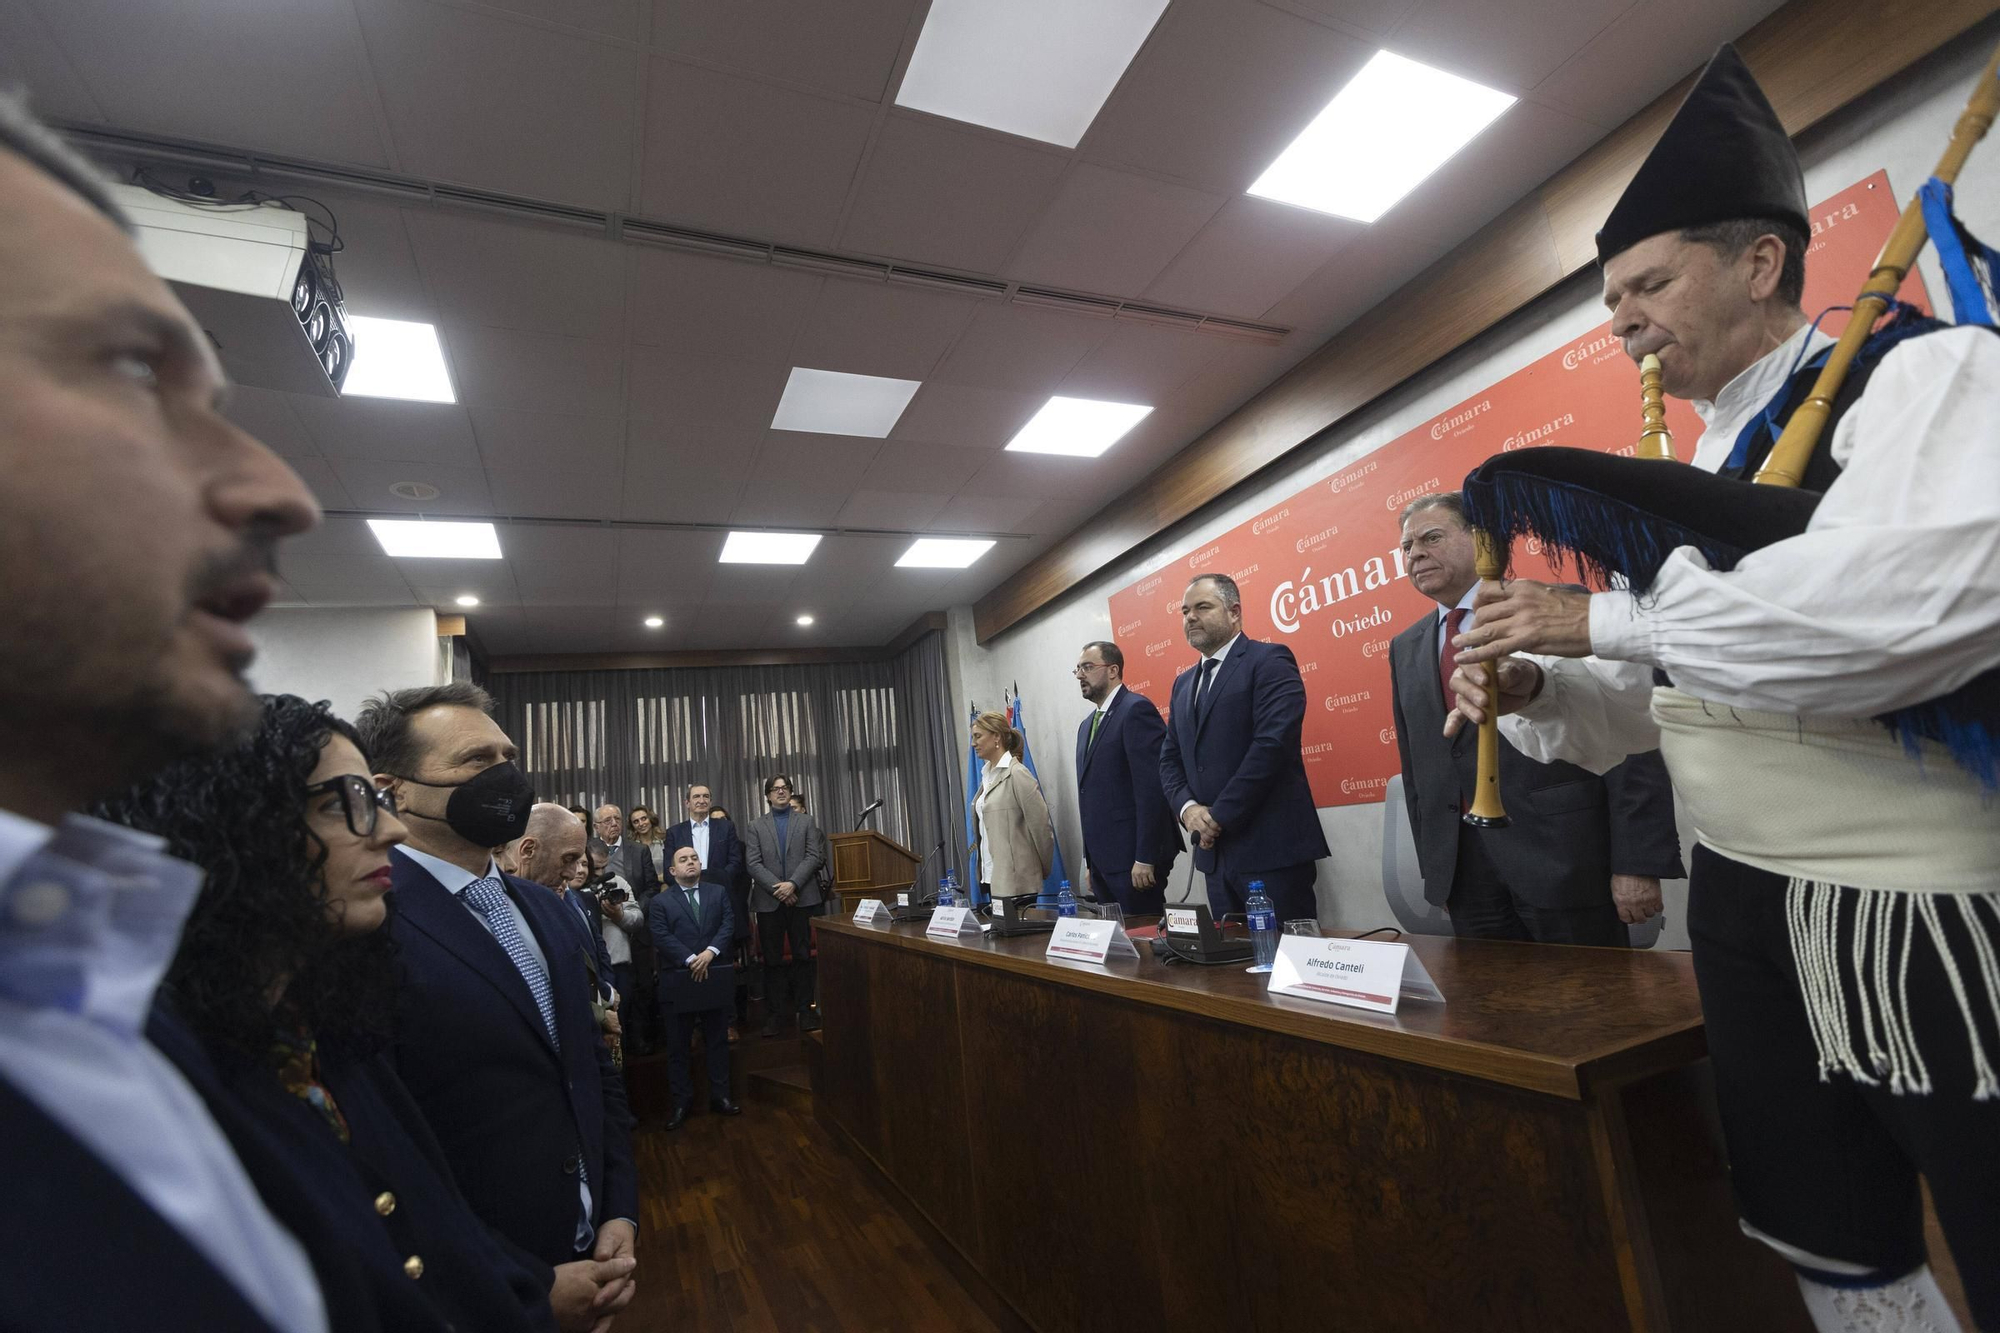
(873, 806)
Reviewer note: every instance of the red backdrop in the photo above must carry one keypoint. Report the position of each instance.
(1321, 570)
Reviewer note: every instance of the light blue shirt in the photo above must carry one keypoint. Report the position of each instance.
(456, 880)
(90, 915)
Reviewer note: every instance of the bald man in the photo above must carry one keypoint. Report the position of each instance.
(551, 848)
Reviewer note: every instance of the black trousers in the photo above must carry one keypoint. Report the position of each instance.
(790, 922)
(1136, 902)
(680, 1030)
(1830, 1166)
(1484, 906)
(1290, 889)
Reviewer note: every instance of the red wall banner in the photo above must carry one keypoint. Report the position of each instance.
(1321, 570)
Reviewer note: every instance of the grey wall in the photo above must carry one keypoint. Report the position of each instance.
(345, 654)
(1902, 127)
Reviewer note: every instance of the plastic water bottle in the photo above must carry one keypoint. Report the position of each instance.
(1263, 920)
(948, 890)
(1065, 901)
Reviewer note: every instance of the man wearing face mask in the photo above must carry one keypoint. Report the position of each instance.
(497, 1041)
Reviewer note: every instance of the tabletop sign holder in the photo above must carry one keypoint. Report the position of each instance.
(869, 911)
(1079, 939)
(951, 922)
(1362, 974)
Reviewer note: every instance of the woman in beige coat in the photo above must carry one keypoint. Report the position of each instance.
(1016, 845)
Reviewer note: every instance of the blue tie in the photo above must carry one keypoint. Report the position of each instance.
(1201, 687)
(490, 901)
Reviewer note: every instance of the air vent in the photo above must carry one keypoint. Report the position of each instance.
(414, 490)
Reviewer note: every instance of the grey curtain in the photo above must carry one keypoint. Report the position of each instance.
(844, 733)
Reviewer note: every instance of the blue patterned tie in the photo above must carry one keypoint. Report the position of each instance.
(490, 901)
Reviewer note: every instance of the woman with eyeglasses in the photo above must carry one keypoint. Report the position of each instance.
(279, 1005)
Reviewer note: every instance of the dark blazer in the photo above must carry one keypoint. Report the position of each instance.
(1569, 831)
(590, 922)
(1125, 814)
(634, 860)
(67, 1205)
(515, 1118)
(676, 934)
(725, 850)
(1243, 762)
(327, 1194)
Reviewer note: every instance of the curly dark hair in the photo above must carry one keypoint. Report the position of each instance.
(240, 814)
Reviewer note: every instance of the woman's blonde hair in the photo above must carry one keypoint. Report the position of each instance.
(994, 723)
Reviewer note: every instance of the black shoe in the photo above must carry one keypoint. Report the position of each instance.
(678, 1118)
(723, 1106)
(809, 1021)
(770, 1028)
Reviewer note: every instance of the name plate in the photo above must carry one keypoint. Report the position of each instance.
(867, 910)
(951, 922)
(1080, 940)
(1363, 974)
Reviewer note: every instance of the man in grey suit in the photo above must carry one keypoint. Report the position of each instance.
(629, 859)
(1583, 856)
(785, 851)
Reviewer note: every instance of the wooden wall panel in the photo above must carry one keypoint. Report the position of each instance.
(1812, 56)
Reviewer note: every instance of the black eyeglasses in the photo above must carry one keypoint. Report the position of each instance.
(360, 798)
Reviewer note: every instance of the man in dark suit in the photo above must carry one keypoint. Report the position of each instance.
(1130, 839)
(497, 1042)
(629, 859)
(713, 839)
(692, 929)
(1582, 856)
(1230, 764)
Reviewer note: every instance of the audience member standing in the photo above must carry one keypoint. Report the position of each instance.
(784, 867)
(1130, 837)
(496, 1038)
(137, 529)
(629, 859)
(649, 833)
(1231, 764)
(1582, 855)
(279, 1007)
(691, 929)
(713, 836)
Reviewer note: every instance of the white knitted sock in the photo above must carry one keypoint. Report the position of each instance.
(1908, 1304)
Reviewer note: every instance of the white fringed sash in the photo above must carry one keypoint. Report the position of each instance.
(1859, 828)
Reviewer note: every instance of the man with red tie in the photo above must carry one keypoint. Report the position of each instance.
(1582, 856)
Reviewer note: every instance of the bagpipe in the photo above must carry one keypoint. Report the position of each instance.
(1617, 518)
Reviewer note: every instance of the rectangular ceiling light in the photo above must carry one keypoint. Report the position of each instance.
(943, 553)
(417, 539)
(1036, 68)
(769, 548)
(396, 358)
(1393, 124)
(831, 402)
(1079, 427)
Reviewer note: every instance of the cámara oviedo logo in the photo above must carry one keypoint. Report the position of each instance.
(1342, 481)
(1397, 499)
(1445, 425)
(1269, 521)
(1591, 350)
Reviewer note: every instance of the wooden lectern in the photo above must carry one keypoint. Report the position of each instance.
(866, 864)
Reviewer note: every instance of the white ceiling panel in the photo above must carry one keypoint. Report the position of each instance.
(461, 490)
(267, 414)
(871, 329)
(1220, 90)
(535, 372)
(387, 429)
(1252, 254)
(737, 155)
(500, 273)
(1110, 231)
(1023, 349)
(287, 76)
(718, 307)
(517, 107)
(968, 417)
(526, 440)
(1140, 363)
(849, 48)
(934, 194)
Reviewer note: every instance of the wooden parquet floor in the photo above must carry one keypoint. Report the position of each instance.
(759, 1222)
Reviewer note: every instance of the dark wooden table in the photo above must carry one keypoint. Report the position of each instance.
(1142, 1146)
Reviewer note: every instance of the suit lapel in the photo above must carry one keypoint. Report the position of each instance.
(428, 906)
(1222, 675)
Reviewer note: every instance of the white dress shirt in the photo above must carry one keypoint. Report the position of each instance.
(1890, 597)
(698, 836)
(89, 918)
(1006, 760)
